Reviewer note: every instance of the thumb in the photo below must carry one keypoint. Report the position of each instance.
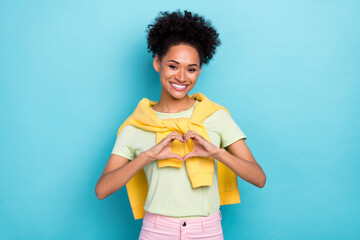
(178, 157)
(189, 155)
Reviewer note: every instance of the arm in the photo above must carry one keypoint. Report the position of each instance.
(241, 161)
(118, 171)
(239, 158)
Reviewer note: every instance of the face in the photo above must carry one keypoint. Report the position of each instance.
(179, 70)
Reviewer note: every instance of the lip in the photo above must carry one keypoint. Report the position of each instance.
(178, 89)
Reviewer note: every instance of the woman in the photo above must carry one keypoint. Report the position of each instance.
(180, 200)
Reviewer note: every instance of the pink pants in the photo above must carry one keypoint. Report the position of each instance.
(160, 227)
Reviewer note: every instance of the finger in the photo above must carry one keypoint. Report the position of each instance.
(177, 134)
(172, 136)
(181, 138)
(187, 133)
(178, 137)
(190, 131)
(192, 135)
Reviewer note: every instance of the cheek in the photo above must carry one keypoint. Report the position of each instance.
(166, 73)
(194, 77)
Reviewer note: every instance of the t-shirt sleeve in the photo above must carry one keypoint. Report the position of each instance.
(123, 145)
(229, 132)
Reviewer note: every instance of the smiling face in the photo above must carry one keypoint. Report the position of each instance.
(179, 69)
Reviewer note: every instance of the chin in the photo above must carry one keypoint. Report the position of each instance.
(179, 95)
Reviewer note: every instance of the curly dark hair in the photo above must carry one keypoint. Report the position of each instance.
(176, 28)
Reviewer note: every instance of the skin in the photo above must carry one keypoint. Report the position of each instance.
(180, 65)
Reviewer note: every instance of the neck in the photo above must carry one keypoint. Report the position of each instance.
(168, 104)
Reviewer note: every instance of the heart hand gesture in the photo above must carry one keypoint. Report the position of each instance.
(162, 150)
(202, 148)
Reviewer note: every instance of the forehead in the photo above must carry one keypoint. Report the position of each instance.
(184, 54)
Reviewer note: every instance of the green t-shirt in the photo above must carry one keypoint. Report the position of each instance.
(170, 192)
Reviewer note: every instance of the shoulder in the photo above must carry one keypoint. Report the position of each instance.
(216, 121)
(218, 115)
(130, 128)
(132, 131)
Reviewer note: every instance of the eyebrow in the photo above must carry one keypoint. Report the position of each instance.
(178, 63)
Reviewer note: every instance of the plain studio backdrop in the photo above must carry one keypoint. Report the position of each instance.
(72, 71)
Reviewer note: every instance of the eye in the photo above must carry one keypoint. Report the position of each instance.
(172, 66)
(192, 69)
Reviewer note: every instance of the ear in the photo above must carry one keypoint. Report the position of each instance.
(156, 63)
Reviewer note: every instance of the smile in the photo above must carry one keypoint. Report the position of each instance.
(178, 87)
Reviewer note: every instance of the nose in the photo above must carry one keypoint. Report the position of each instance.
(181, 76)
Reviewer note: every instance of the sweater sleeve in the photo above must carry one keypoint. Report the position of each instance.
(123, 145)
(229, 131)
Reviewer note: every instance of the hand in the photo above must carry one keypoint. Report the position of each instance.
(202, 148)
(162, 150)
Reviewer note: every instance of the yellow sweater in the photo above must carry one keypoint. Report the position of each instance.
(200, 170)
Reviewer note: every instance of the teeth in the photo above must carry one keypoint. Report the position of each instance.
(178, 86)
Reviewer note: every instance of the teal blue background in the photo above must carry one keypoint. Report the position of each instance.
(72, 71)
